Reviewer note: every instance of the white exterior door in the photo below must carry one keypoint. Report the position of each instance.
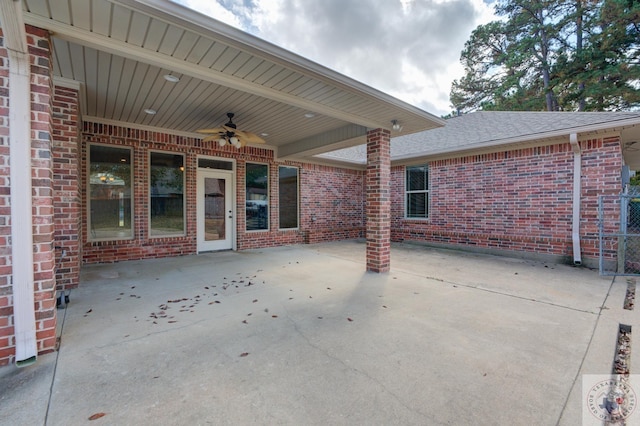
(216, 218)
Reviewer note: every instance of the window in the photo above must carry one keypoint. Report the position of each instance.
(110, 204)
(288, 196)
(257, 191)
(166, 183)
(417, 195)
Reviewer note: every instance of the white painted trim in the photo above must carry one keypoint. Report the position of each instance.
(577, 188)
(230, 225)
(67, 82)
(24, 317)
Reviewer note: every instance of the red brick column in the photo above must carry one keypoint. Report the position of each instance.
(378, 209)
(66, 186)
(42, 184)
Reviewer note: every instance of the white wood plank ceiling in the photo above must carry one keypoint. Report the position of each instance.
(120, 51)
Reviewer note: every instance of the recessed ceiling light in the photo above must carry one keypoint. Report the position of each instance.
(264, 134)
(309, 115)
(150, 111)
(171, 78)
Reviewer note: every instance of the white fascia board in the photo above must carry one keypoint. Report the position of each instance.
(545, 136)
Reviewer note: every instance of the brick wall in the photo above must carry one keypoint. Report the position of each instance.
(7, 342)
(42, 173)
(331, 203)
(66, 175)
(513, 200)
(331, 199)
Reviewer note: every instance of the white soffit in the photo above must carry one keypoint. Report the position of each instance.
(121, 49)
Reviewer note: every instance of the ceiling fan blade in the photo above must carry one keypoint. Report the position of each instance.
(249, 137)
(216, 130)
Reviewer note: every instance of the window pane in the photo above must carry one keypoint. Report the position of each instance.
(167, 194)
(110, 192)
(417, 178)
(257, 207)
(417, 204)
(205, 163)
(288, 197)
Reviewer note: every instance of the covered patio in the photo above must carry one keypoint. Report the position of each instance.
(303, 335)
(101, 94)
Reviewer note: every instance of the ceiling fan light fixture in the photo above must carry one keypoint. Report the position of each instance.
(234, 141)
(222, 141)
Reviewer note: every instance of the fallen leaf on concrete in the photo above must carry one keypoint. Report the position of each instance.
(171, 322)
(89, 311)
(243, 354)
(349, 319)
(245, 322)
(384, 306)
(274, 316)
(97, 416)
(255, 300)
(328, 288)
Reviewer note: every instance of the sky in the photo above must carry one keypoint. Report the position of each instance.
(409, 49)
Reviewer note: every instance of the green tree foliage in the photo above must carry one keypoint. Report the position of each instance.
(553, 55)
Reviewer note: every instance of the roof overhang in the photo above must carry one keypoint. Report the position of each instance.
(119, 51)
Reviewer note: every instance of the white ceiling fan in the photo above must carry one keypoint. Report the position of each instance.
(228, 133)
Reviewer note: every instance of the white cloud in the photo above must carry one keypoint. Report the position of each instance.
(407, 48)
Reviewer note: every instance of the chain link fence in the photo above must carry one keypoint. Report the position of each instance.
(619, 233)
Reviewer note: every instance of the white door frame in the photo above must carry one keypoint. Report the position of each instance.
(228, 243)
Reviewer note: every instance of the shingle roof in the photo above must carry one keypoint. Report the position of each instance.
(491, 128)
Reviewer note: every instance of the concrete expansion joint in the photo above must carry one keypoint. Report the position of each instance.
(503, 293)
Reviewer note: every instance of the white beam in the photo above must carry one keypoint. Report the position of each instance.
(21, 203)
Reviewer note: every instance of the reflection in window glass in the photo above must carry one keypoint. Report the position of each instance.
(288, 196)
(167, 194)
(110, 208)
(417, 195)
(257, 204)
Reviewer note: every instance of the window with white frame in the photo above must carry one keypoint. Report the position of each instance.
(288, 197)
(110, 193)
(417, 192)
(257, 197)
(166, 191)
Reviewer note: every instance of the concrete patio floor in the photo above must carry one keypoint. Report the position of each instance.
(303, 335)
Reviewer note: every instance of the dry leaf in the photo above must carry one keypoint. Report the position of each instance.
(349, 319)
(89, 311)
(274, 316)
(96, 416)
(255, 300)
(243, 354)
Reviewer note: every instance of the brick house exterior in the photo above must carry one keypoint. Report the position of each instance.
(513, 198)
(516, 201)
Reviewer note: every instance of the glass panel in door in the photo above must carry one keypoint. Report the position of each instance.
(214, 209)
